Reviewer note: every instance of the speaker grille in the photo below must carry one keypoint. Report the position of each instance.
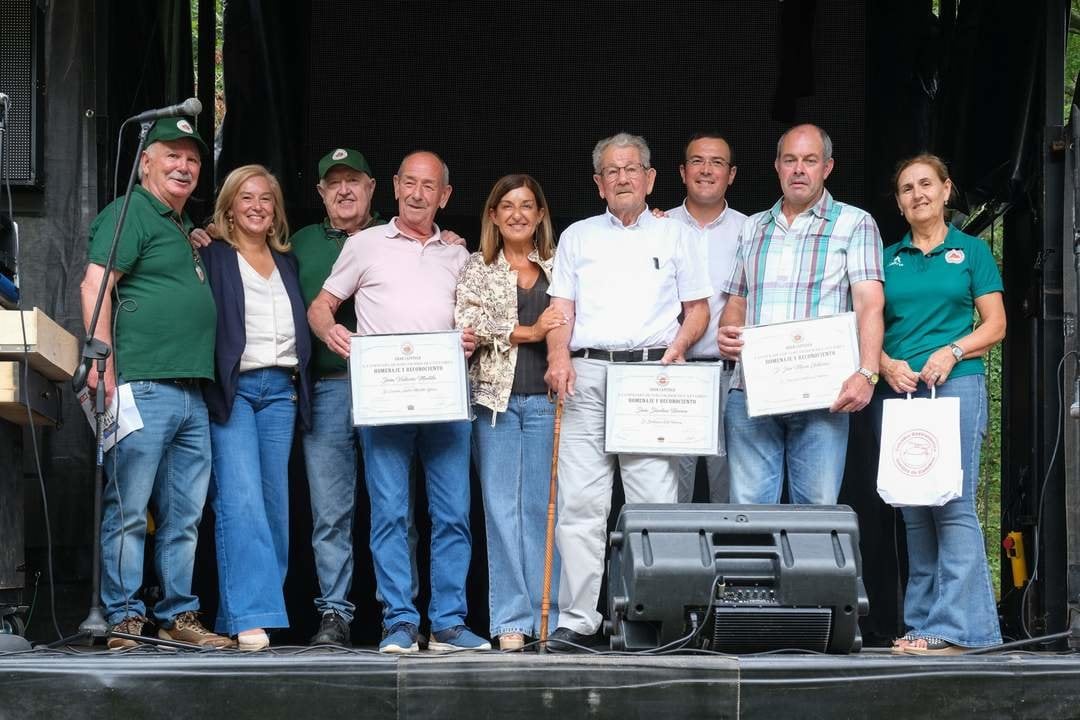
(747, 630)
(18, 79)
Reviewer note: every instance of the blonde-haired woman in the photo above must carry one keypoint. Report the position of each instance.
(502, 293)
(261, 356)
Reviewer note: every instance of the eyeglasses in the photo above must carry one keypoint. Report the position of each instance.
(714, 163)
(633, 172)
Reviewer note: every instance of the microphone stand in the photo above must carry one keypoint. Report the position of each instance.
(97, 352)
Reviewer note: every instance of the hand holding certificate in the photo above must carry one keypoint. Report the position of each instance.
(403, 379)
(655, 409)
(799, 365)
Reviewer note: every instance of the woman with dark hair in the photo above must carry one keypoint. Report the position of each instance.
(936, 280)
(261, 355)
(502, 293)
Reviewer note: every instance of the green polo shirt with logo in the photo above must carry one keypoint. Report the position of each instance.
(165, 314)
(316, 248)
(930, 299)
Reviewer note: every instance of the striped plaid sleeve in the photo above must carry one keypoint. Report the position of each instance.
(736, 283)
(864, 251)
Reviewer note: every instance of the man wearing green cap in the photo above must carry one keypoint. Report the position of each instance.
(164, 347)
(346, 186)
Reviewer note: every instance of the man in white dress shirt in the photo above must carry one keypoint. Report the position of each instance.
(621, 279)
(708, 170)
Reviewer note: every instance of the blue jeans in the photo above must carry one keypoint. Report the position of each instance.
(330, 461)
(444, 452)
(251, 501)
(167, 462)
(948, 590)
(811, 445)
(513, 458)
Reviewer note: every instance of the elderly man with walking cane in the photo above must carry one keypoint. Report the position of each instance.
(622, 279)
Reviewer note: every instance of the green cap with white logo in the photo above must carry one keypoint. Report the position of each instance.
(176, 128)
(344, 156)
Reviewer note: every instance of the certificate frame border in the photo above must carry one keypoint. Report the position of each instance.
(808, 406)
(464, 407)
(716, 423)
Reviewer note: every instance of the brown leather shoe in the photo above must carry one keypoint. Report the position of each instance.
(187, 628)
(132, 625)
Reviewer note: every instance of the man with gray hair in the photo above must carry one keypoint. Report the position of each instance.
(807, 256)
(621, 279)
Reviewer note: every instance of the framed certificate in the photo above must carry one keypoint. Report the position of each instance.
(655, 409)
(405, 379)
(799, 365)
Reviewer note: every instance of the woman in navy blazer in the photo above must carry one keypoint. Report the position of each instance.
(261, 356)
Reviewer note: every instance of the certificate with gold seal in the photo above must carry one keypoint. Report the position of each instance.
(799, 365)
(655, 409)
(408, 378)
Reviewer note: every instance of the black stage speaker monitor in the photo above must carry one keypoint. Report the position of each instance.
(22, 80)
(749, 578)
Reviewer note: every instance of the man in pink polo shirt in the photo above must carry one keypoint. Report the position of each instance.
(403, 277)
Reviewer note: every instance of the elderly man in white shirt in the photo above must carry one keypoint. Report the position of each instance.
(708, 170)
(621, 279)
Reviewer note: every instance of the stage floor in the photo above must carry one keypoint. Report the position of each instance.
(305, 683)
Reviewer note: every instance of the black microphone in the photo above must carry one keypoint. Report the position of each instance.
(191, 106)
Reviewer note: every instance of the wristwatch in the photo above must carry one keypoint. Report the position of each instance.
(957, 351)
(871, 377)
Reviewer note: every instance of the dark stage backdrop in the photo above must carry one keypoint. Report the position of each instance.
(496, 90)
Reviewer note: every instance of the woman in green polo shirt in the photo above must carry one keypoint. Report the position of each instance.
(936, 280)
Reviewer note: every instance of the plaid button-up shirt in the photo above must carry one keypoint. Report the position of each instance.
(805, 269)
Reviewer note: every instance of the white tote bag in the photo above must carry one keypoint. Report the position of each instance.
(919, 463)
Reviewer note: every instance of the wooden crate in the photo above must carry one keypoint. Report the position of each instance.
(44, 396)
(52, 350)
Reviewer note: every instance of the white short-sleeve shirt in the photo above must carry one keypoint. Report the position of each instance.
(719, 240)
(628, 283)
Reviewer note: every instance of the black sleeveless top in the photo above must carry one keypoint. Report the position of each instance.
(531, 357)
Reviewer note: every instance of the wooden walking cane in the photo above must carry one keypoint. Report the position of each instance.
(549, 538)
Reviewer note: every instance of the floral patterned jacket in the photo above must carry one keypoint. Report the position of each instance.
(487, 302)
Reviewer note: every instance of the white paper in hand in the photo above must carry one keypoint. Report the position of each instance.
(121, 417)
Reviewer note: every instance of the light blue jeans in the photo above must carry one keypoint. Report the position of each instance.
(166, 461)
(330, 452)
(811, 445)
(444, 452)
(330, 460)
(251, 501)
(948, 590)
(513, 459)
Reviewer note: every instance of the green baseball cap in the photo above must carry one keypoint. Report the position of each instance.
(176, 128)
(344, 156)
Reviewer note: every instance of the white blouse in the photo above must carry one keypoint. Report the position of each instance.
(271, 334)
